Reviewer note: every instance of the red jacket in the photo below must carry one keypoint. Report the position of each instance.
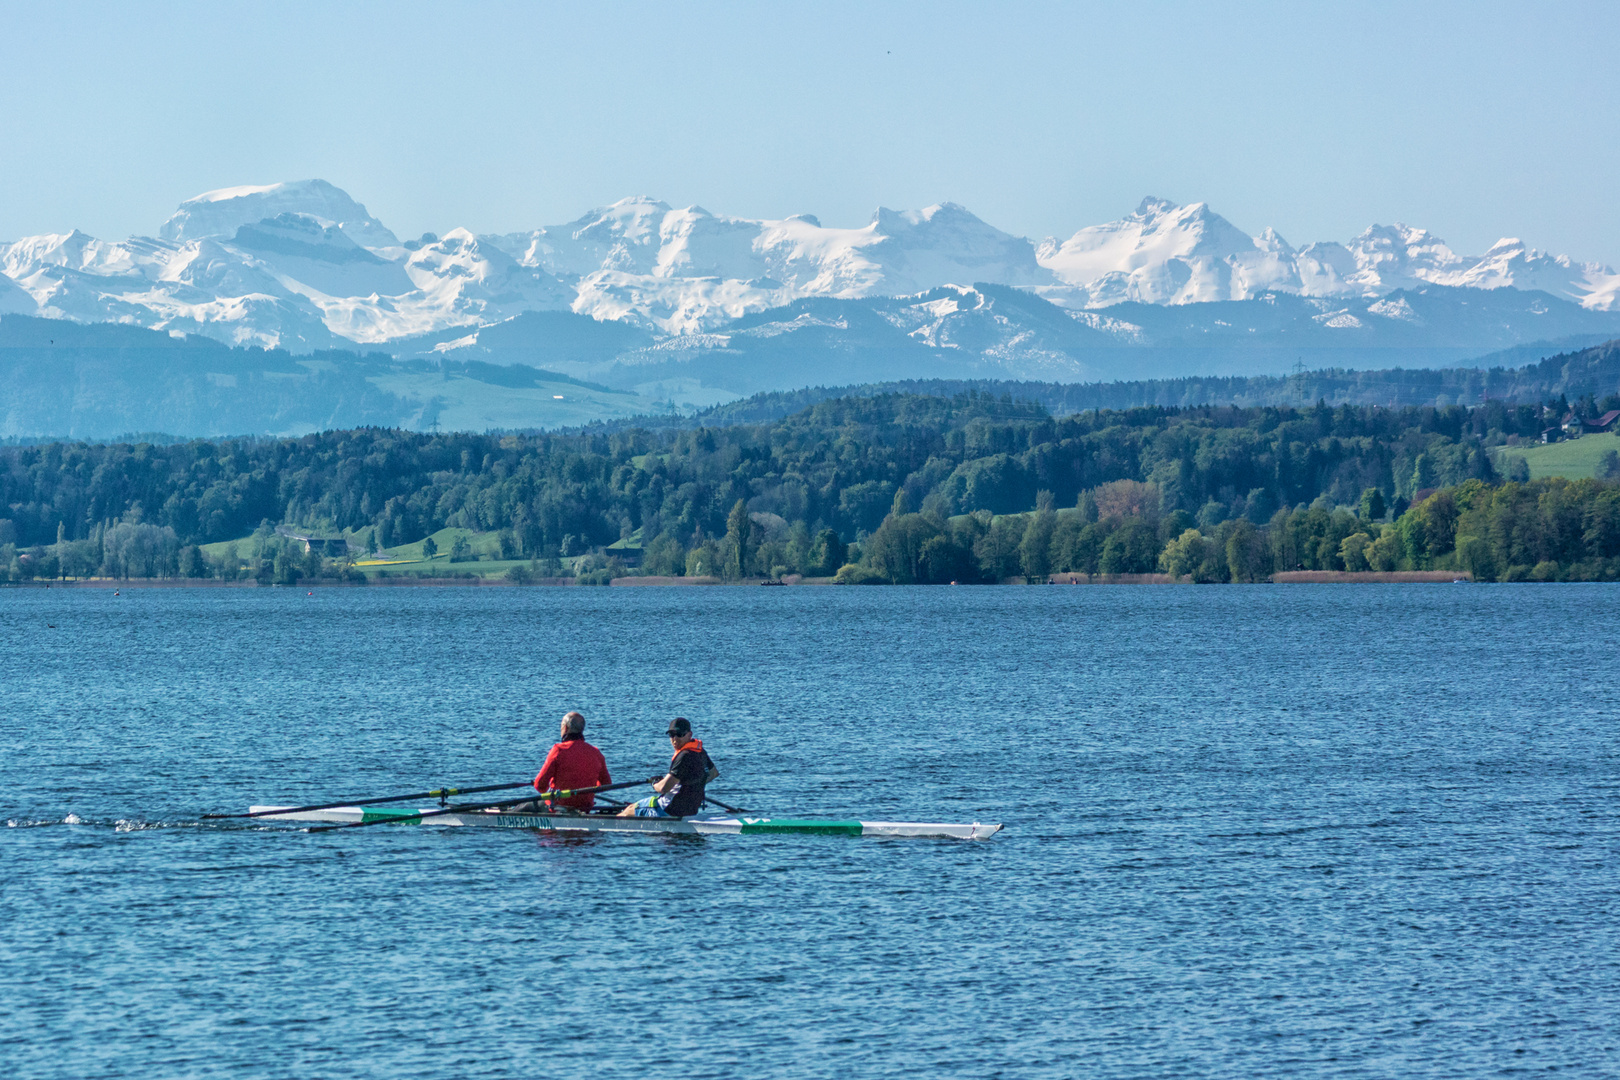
(573, 763)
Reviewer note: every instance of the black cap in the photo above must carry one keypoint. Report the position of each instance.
(679, 726)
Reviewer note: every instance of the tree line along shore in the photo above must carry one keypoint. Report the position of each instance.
(895, 488)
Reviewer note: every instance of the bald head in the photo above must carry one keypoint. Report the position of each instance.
(573, 724)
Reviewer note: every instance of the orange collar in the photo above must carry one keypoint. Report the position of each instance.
(690, 744)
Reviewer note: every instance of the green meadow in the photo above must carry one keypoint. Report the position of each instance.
(1576, 459)
(410, 558)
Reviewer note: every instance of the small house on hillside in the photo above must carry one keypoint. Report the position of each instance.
(1551, 435)
(1606, 422)
(1575, 427)
(333, 547)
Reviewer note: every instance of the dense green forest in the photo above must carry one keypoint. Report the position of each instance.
(893, 487)
(1546, 530)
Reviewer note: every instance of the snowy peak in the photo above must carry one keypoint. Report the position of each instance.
(1269, 241)
(624, 236)
(1167, 254)
(221, 212)
(1190, 230)
(457, 280)
(1510, 263)
(684, 270)
(297, 265)
(480, 279)
(946, 215)
(73, 249)
(1397, 256)
(944, 244)
(1157, 231)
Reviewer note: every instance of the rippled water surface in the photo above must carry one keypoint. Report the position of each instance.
(1306, 830)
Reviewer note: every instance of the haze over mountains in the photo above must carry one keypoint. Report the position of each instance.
(640, 307)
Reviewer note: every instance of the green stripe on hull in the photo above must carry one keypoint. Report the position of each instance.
(411, 817)
(788, 825)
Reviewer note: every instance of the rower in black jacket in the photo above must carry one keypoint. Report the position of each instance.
(680, 792)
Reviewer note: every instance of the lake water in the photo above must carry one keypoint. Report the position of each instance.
(1274, 830)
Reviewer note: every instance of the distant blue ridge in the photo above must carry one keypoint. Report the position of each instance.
(60, 378)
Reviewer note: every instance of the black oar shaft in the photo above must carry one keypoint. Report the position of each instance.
(728, 809)
(548, 795)
(437, 793)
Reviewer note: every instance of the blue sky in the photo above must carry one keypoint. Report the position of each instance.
(1473, 120)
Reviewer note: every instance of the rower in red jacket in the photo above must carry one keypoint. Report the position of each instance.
(573, 763)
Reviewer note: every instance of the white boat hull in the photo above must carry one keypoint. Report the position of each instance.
(700, 826)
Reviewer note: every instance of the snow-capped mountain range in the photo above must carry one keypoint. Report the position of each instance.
(1169, 254)
(302, 265)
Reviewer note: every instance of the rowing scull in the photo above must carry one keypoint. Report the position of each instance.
(705, 825)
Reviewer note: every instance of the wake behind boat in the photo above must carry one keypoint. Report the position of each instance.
(701, 825)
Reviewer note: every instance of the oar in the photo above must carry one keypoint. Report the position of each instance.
(437, 793)
(548, 795)
(728, 809)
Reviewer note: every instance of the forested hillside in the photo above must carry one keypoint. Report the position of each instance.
(1501, 377)
(911, 488)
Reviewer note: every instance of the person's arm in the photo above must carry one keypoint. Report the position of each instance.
(665, 784)
(548, 771)
(712, 772)
(602, 776)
